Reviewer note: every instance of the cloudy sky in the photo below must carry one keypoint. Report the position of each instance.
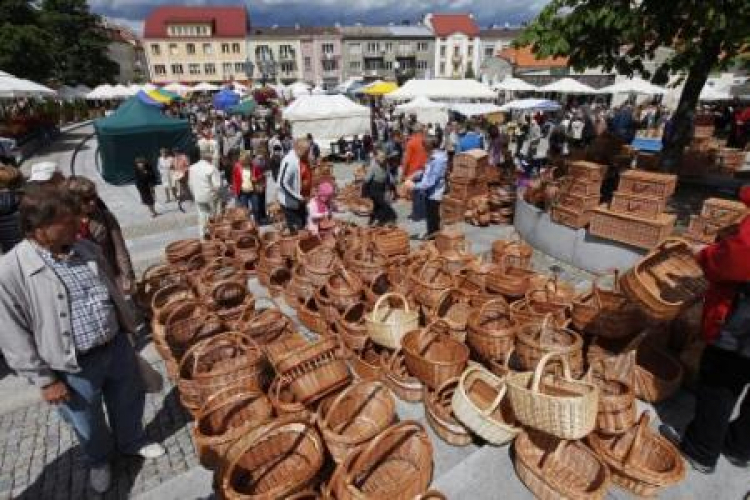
(328, 12)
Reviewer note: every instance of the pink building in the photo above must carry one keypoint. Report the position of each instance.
(321, 56)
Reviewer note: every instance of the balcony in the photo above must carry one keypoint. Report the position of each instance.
(406, 52)
(377, 54)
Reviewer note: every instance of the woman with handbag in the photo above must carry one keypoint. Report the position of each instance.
(377, 183)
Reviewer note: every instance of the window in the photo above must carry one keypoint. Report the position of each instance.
(155, 49)
(226, 68)
(209, 68)
(355, 48)
(263, 52)
(286, 52)
(373, 47)
(225, 48)
(160, 69)
(442, 51)
(207, 48)
(173, 49)
(177, 69)
(373, 64)
(355, 65)
(421, 64)
(235, 48)
(456, 51)
(308, 64)
(389, 65)
(471, 51)
(327, 48)
(422, 46)
(194, 69)
(489, 51)
(239, 67)
(331, 65)
(442, 68)
(388, 46)
(190, 48)
(287, 67)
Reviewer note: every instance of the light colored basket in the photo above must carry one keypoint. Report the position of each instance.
(560, 406)
(386, 325)
(479, 403)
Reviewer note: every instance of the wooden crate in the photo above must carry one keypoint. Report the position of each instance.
(647, 183)
(630, 229)
(465, 189)
(587, 171)
(470, 164)
(576, 202)
(723, 212)
(570, 218)
(649, 207)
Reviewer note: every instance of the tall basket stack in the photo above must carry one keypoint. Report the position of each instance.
(636, 215)
(579, 194)
(467, 180)
(716, 215)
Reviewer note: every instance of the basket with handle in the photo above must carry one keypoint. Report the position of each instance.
(278, 280)
(306, 245)
(188, 323)
(391, 241)
(554, 469)
(665, 281)
(355, 416)
(449, 239)
(344, 289)
(501, 366)
(366, 362)
(480, 403)
(268, 324)
(617, 408)
(299, 289)
(367, 262)
(452, 309)
(658, 374)
(164, 300)
(509, 280)
(396, 376)
(311, 316)
(439, 412)
(491, 333)
(284, 403)
(554, 298)
(275, 460)
(387, 324)
(606, 313)
(433, 358)
(558, 405)
(430, 281)
(397, 464)
(224, 418)
(319, 264)
(518, 250)
(352, 327)
(180, 251)
(640, 460)
(153, 278)
(535, 340)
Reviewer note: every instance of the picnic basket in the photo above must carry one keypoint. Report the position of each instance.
(396, 376)
(386, 324)
(439, 413)
(491, 333)
(557, 405)
(433, 358)
(640, 460)
(480, 403)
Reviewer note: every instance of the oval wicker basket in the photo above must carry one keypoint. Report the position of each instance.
(511, 281)
(386, 324)
(170, 294)
(352, 328)
(268, 324)
(617, 407)
(311, 316)
(284, 403)
(319, 264)
(366, 362)
(396, 376)
(480, 403)
(451, 313)
(181, 251)
(658, 374)
(430, 281)
(535, 340)
(344, 289)
(491, 333)
(433, 358)
(518, 251)
(275, 460)
(439, 412)
(606, 312)
(355, 416)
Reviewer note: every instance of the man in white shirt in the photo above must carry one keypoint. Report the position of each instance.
(290, 185)
(205, 181)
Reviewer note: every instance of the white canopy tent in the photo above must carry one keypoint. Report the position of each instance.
(67, 93)
(448, 90)
(297, 89)
(205, 87)
(318, 90)
(11, 87)
(239, 86)
(327, 118)
(633, 86)
(568, 86)
(178, 88)
(120, 91)
(102, 92)
(511, 84)
(470, 109)
(426, 110)
(531, 105)
(711, 93)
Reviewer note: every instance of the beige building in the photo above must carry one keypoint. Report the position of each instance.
(276, 54)
(195, 44)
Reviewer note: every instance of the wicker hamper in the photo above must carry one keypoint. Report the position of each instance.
(630, 229)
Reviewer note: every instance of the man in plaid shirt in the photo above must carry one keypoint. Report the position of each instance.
(65, 328)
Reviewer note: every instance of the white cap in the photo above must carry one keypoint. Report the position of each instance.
(43, 171)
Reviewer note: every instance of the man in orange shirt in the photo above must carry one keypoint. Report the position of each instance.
(415, 158)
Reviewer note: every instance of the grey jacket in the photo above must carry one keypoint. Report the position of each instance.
(290, 182)
(36, 331)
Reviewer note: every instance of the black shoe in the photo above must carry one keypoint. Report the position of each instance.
(673, 437)
(742, 463)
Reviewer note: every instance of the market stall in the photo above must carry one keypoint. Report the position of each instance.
(470, 110)
(12, 87)
(137, 129)
(443, 90)
(327, 117)
(426, 110)
(225, 99)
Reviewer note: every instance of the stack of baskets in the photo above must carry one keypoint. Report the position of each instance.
(579, 194)
(716, 215)
(465, 182)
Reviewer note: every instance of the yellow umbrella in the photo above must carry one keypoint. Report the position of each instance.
(381, 88)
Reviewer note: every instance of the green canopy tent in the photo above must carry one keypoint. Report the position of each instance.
(245, 108)
(137, 129)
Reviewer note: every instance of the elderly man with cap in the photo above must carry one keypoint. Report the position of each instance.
(205, 184)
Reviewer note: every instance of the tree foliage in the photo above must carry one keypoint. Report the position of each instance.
(54, 39)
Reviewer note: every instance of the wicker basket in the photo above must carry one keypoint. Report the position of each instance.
(283, 401)
(430, 281)
(224, 419)
(450, 314)
(559, 470)
(491, 333)
(355, 416)
(631, 229)
(366, 362)
(367, 263)
(649, 207)
(723, 212)
(319, 264)
(519, 251)
(658, 374)
(479, 402)
(386, 324)
(536, 340)
(606, 312)
(433, 358)
(559, 214)
(396, 376)
(509, 280)
(181, 251)
(643, 183)
(311, 316)
(666, 281)
(439, 412)
(640, 461)
(344, 289)
(352, 327)
(268, 324)
(586, 171)
(449, 240)
(617, 409)
(391, 242)
(166, 298)
(560, 406)
(275, 460)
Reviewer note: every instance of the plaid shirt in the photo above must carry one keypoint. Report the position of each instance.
(92, 311)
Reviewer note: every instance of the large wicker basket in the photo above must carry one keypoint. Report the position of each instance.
(438, 409)
(535, 340)
(450, 313)
(518, 250)
(606, 312)
(557, 405)
(387, 324)
(617, 408)
(397, 377)
(491, 333)
(433, 358)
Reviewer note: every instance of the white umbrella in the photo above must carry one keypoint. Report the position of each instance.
(633, 86)
(11, 87)
(120, 91)
(178, 88)
(105, 91)
(205, 87)
(514, 85)
(530, 105)
(568, 86)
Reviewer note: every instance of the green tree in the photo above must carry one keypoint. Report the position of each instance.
(79, 43)
(623, 35)
(21, 36)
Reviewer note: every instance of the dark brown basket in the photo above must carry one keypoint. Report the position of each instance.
(433, 358)
(397, 377)
(439, 413)
(491, 332)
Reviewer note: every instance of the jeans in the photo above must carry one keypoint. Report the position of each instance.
(432, 209)
(417, 205)
(295, 218)
(108, 375)
(205, 212)
(382, 212)
(723, 377)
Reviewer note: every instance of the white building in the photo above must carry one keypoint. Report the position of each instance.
(458, 49)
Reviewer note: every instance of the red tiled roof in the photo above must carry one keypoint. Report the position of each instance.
(228, 22)
(447, 24)
(525, 58)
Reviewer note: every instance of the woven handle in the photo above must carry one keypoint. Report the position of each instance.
(539, 371)
(546, 327)
(385, 297)
(429, 336)
(641, 427)
(496, 403)
(501, 301)
(372, 389)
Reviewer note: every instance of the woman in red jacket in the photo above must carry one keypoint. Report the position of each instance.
(725, 365)
(248, 181)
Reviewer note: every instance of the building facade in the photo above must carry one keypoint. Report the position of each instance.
(321, 56)
(126, 50)
(276, 54)
(493, 41)
(457, 45)
(195, 44)
(387, 52)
